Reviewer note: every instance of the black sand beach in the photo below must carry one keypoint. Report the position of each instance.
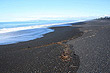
(40, 55)
(93, 47)
(82, 48)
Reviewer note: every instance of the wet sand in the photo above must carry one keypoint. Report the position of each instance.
(44, 55)
(83, 48)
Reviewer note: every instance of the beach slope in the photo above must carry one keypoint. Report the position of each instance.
(83, 47)
(93, 47)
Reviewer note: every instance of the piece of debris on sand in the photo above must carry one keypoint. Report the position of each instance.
(66, 54)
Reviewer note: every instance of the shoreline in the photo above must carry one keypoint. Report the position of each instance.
(86, 45)
(50, 47)
(56, 30)
(69, 24)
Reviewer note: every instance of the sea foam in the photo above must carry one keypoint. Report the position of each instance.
(15, 32)
(5, 30)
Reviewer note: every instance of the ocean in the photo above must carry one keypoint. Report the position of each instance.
(15, 32)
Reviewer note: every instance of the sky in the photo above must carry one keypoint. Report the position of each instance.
(15, 10)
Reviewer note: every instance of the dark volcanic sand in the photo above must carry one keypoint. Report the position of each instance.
(93, 47)
(90, 52)
(26, 58)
